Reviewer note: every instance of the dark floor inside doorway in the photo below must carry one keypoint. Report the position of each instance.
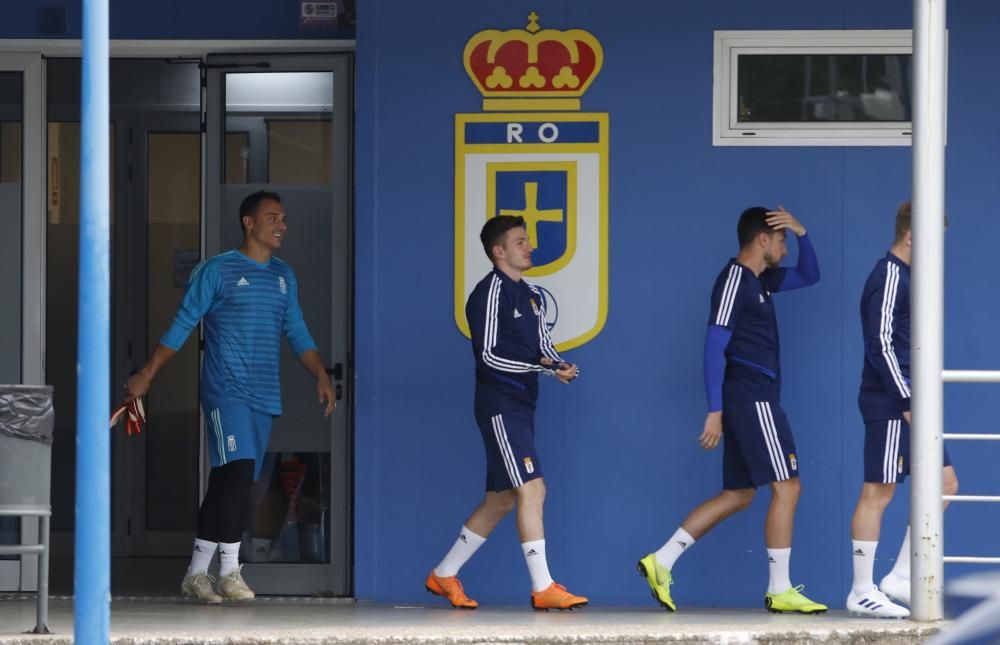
(130, 577)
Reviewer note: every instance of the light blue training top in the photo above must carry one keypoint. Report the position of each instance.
(247, 306)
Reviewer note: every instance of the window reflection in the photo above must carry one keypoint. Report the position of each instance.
(821, 88)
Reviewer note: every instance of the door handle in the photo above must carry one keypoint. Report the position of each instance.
(337, 371)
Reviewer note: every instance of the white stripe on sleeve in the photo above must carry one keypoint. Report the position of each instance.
(729, 295)
(544, 339)
(490, 336)
(886, 328)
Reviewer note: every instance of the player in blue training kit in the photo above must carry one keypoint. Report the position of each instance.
(511, 345)
(743, 385)
(248, 299)
(884, 400)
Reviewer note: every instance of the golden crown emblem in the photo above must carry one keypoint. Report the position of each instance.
(532, 68)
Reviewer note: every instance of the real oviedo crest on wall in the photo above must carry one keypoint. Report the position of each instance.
(533, 153)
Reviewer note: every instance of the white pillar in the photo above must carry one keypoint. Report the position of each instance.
(927, 291)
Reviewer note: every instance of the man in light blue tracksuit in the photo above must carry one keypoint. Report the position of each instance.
(248, 299)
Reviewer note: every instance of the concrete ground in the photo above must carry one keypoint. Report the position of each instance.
(165, 620)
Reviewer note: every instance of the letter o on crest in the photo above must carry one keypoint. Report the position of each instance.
(548, 132)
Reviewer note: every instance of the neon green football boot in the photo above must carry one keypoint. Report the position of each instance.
(659, 579)
(792, 601)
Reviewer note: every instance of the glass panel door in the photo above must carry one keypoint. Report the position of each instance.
(11, 151)
(21, 210)
(173, 240)
(11, 146)
(287, 129)
(156, 210)
(166, 241)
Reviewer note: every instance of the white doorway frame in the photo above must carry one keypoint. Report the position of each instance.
(28, 57)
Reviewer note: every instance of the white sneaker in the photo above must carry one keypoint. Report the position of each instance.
(896, 587)
(874, 604)
(199, 585)
(233, 587)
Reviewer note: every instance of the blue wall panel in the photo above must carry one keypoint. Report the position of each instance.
(620, 451)
(620, 445)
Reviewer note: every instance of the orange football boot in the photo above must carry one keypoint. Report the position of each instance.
(451, 589)
(556, 597)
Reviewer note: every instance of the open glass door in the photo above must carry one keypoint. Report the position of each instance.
(155, 144)
(285, 124)
(22, 199)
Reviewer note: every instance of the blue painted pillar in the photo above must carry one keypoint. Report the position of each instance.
(92, 580)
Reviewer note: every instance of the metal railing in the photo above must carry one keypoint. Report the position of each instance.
(42, 551)
(971, 376)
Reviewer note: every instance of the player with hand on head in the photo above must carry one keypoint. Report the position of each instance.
(743, 385)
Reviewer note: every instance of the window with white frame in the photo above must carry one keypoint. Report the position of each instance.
(812, 88)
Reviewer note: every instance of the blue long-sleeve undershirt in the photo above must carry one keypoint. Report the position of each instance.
(716, 341)
(805, 272)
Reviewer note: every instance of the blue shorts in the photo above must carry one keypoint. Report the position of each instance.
(507, 425)
(758, 447)
(887, 451)
(236, 432)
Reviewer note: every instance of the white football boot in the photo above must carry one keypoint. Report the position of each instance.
(874, 604)
(896, 588)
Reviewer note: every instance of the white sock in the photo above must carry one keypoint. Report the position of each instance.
(864, 563)
(466, 544)
(201, 556)
(674, 547)
(777, 560)
(229, 557)
(902, 567)
(534, 555)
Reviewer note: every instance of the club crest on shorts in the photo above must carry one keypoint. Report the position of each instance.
(231, 443)
(533, 154)
(793, 462)
(529, 466)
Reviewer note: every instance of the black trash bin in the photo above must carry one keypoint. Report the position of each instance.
(27, 421)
